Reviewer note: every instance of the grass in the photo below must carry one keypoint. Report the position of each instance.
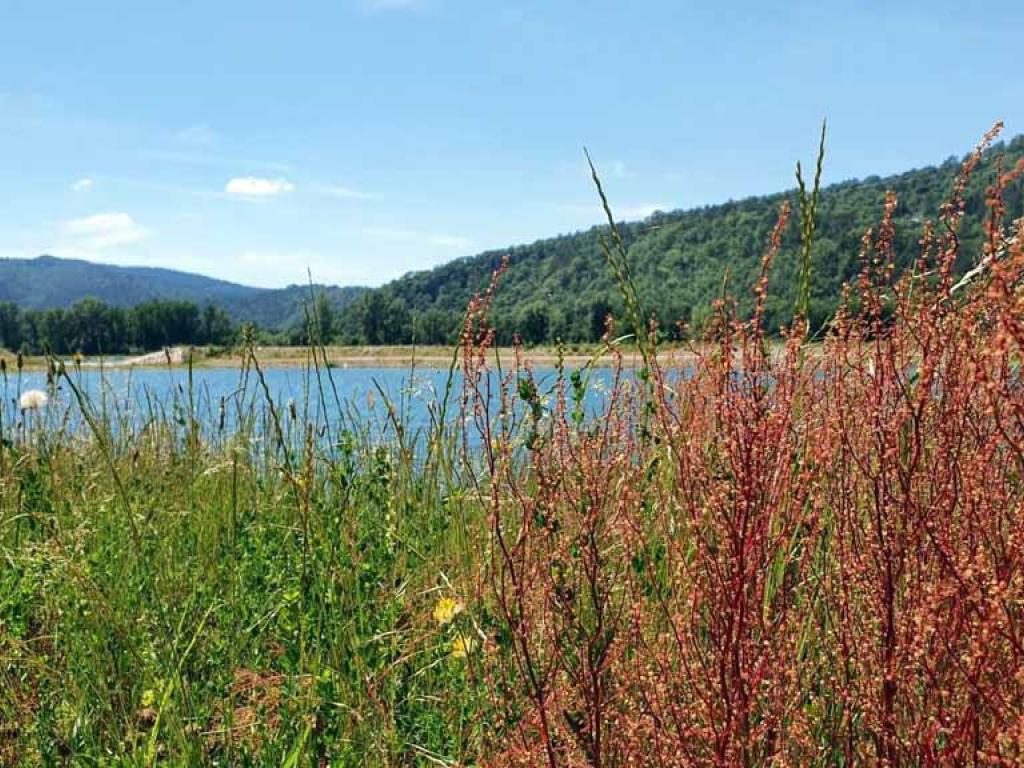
(755, 555)
(170, 592)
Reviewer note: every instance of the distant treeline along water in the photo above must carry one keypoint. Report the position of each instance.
(555, 289)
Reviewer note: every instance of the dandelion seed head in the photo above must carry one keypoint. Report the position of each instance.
(32, 399)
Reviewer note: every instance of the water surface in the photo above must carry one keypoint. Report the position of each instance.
(373, 400)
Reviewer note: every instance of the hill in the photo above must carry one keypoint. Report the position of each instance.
(48, 282)
(560, 288)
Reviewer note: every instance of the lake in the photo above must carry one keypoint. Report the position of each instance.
(219, 398)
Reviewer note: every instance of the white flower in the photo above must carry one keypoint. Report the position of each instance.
(32, 399)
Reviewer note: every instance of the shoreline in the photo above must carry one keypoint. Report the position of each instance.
(339, 358)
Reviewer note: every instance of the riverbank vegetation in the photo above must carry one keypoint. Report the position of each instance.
(751, 559)
(92, 327)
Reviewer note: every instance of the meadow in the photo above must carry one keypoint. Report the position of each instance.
(806, 552)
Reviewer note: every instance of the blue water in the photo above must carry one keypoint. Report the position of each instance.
(358, 399)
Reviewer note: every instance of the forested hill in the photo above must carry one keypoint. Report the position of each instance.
(558, 288)
(561, 288)
(49, 283)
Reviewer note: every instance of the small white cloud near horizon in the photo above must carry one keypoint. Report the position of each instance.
(83, 185)
(252, 186)
(104, 230)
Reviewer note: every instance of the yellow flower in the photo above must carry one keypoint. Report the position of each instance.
(447, 608)
(462, 646)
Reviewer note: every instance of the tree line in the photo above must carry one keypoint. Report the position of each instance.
(380, 318)
(92, 327)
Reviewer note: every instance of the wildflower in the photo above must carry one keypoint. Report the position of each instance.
(462, 646)
(447, 608)
(32, 399)
(146, 717)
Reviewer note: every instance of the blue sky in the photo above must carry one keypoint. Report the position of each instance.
(366, 138)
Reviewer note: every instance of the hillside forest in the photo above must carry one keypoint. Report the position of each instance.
(555, 290)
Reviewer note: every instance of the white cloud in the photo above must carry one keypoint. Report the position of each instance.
(104, 230)
(347, 193)
(83, 185)
(251, 186)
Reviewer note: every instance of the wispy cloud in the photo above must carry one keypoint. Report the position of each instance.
(346, 193)
(104, 230)
(252, 186)
(82, 185)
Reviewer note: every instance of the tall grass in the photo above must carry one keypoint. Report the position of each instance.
(752, 556)
(176, 591)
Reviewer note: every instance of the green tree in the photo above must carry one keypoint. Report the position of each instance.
(216, 326)
(324, 315)
(10, 326)
(397, 322)
(374, 308)
(600, 310)
(533, 325)
(94, 328)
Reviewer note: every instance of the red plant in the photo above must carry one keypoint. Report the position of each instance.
(803, 556)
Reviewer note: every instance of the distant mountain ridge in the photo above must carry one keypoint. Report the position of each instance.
(49, 282)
